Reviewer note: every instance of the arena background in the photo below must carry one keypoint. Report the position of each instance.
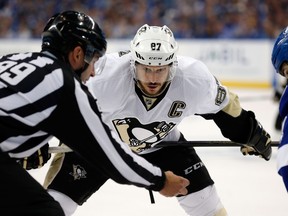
(237, 63)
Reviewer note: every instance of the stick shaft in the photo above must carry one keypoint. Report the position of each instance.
(206, 143)
(200, 143)
(59, 149)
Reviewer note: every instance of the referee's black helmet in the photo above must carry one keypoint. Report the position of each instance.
(66, 30)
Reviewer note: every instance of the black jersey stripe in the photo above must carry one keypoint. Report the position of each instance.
(29, 144)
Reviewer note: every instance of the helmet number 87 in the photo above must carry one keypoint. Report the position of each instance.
(155, 46)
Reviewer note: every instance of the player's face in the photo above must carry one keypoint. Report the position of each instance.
(77, 61)
(90, 71)
(152, 78)
(284, 69)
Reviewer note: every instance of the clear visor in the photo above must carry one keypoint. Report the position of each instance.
(92, 54)
(153, 74)
(100, 64)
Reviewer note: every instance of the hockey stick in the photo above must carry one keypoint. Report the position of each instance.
(59, 149)
(205, 143)
(200, 143)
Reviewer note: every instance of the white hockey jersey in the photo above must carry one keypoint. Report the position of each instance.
(142, 121)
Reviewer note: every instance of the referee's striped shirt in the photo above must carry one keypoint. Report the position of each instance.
(40, 97)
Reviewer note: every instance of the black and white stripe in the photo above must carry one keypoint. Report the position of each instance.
(38, 99)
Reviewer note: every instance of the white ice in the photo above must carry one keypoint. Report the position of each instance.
(248, 186)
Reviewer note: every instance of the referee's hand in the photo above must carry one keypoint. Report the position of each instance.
(174, 185)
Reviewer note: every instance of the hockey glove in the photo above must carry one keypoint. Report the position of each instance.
(37, 159)
(259, 143)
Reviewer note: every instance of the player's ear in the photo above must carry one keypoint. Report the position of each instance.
(76, 57)
(78, 53)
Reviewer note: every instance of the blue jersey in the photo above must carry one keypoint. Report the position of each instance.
(282, 156)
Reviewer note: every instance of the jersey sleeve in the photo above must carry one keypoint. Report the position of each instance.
(282, 155)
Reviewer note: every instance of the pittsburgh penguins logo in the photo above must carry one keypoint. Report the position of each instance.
(139, 136)
(78, 172)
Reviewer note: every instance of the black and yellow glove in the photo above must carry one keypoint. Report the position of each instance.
(253, 138)
(259, 143)
(37, 159)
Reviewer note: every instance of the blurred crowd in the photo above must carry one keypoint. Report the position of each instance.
(121, 18)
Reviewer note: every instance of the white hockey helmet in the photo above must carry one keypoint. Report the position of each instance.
(154, 46)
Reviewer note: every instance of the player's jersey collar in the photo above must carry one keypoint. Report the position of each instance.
(148, 101)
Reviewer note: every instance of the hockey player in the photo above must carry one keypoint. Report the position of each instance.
(41, 96)
(280, 63)
(143, 95)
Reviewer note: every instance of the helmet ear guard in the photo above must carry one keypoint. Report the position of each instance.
(280, 51)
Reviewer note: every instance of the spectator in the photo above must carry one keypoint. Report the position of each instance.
(188, 19)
